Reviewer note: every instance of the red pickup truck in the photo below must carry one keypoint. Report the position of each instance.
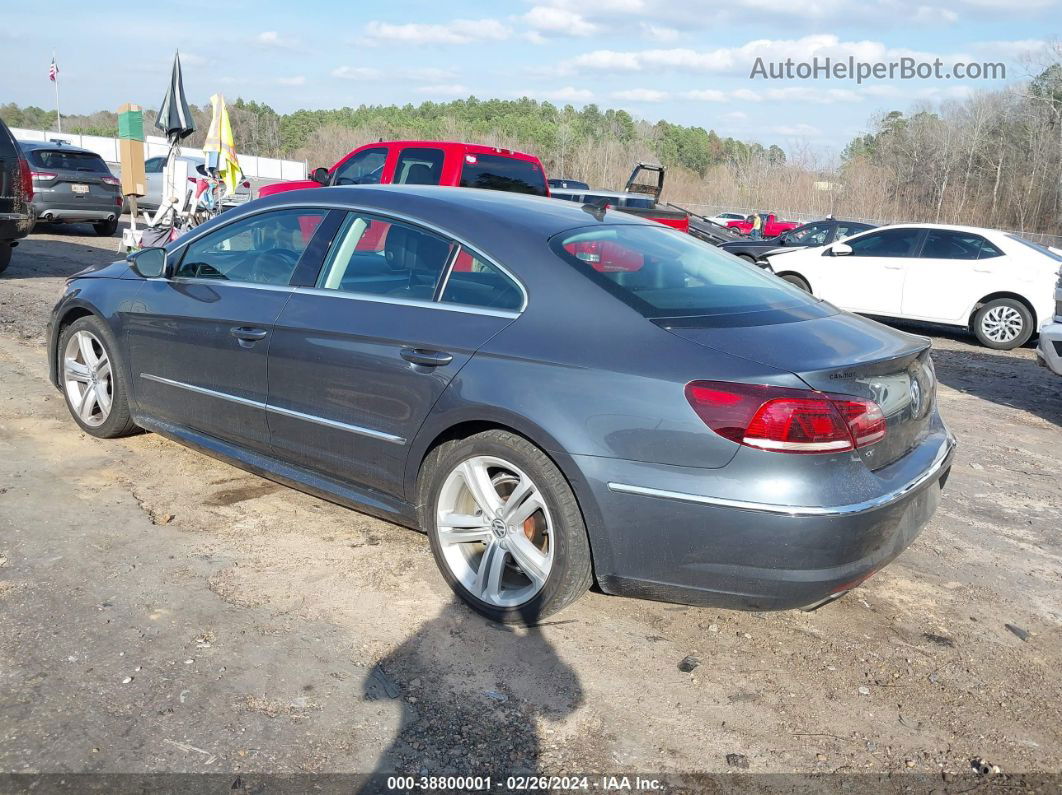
(429, 163)
(772, 227)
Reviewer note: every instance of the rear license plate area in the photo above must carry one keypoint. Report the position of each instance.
(79, 188)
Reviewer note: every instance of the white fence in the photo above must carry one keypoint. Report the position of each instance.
(263, 168)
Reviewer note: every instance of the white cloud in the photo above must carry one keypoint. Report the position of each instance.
(445, 90)
(660, 33)
(270, 38)
(641, 95)
(738, 60)
(430, 74)
(297, 80)
(458, 31)
(561, 21)
(796, 130)
(707, 95)
(932, 15)
(356, 73)
(1008, 50)
(565, 94)
(736, 115)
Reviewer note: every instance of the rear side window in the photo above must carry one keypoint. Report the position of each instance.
(376, 256)
(886, 243)
(475, 282)
(262, 249)
(948, 244)
(59, 159)
(419, 166)
(495, 172)
(662, 273)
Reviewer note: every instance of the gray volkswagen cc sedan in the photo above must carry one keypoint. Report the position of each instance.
(555, 395)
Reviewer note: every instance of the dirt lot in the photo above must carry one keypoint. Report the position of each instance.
(163, 611)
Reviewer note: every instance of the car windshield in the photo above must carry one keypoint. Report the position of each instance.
(1037, 247)
(66, 160)
(665, 273)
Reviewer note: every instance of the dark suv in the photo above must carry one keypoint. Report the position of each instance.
(16, 190)
(73, 185)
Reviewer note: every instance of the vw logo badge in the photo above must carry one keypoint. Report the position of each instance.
(916, 397)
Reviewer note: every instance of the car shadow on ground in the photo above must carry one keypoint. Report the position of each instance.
(38, 257)
(474, 692)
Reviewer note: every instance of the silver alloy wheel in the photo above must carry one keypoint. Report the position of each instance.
(87, 377)
(495, 531)
(1002, 323)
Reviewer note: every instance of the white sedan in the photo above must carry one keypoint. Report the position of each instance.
(998, 285)
(725, 218)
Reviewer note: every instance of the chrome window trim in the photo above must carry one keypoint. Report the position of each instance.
(386, 299)
(333, 205)
(343, 426)
(278, 288)
(797, 511)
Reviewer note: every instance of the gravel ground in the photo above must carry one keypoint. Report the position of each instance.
(163, 611)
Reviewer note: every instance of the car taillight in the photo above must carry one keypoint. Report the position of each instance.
(26, 178)
(43, 175)
(110, 180)
(785, 420)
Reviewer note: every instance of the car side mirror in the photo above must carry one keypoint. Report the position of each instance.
(321, 176)
(149, 262)
(841, 249)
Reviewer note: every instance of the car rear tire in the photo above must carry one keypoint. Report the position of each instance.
(748, 258)
(106, 228)
(1003, 324)
(93, 379)
(5, 256)
(797, 281)
(505, 528)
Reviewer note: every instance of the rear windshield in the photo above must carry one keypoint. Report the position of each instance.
(72, 161)
(664, 273)
(1037, 247)
(495, 172)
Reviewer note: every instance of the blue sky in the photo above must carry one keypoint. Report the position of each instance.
(686, 61)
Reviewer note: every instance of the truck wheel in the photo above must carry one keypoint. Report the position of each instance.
(1003, 324)
(504, 526)
(5, 255)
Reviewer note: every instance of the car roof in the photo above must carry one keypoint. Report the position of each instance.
(977, 230)
(615, 194)
(486, 217)
(476, 149)
(56, 147)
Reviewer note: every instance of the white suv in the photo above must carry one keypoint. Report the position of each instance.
(1049, 353)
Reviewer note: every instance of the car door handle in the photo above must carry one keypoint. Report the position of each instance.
(426, 358)
(245, 334)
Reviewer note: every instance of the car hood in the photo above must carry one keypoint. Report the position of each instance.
(842, 354)
(118, 269)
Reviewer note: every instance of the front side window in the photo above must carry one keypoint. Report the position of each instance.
(154, 165)
(262, 249)
(494, 172)
(886, 243)
(364, 168)
(377, 256)
(419, 166)
(662, 273)
(475, 282)
(810, 235)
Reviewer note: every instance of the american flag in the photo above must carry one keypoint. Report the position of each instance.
(53, 71)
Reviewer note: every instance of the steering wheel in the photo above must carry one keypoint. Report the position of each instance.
(274, 266)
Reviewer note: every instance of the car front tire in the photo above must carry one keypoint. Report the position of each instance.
(1003, 324)
(5, 255)
(93, 379)
(505, 528)
(796, 281)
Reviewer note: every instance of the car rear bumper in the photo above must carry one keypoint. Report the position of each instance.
(1049, 351)
(698, 548)
(89, 212)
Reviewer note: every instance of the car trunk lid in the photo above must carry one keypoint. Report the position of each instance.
(840, 354)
